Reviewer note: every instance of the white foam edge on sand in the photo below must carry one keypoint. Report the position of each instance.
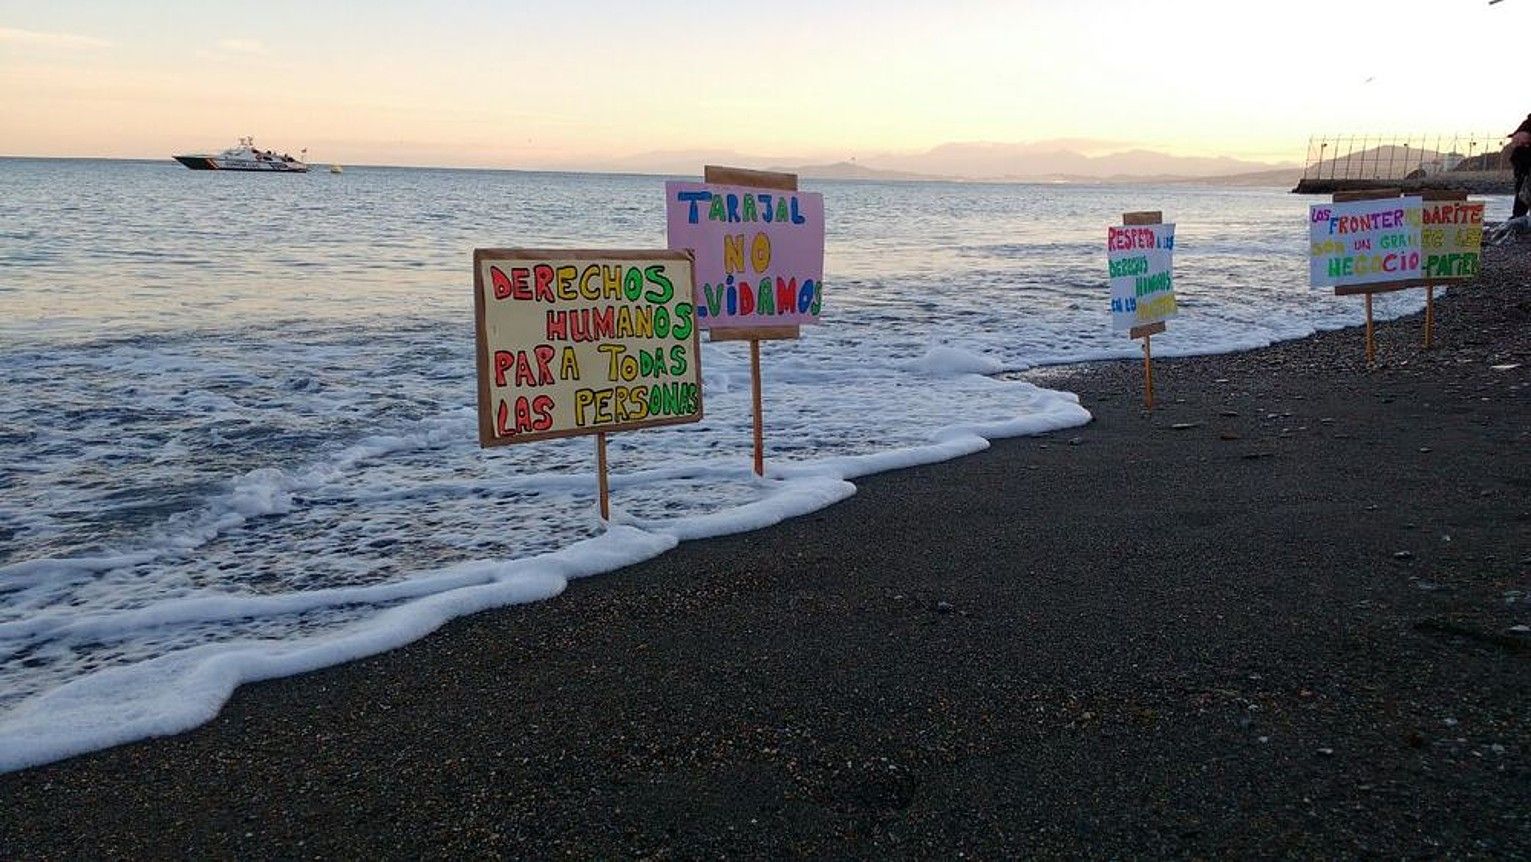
(184, 689)
(181, 690)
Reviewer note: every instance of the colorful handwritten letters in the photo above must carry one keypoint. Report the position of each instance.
(1142, 281)
(759, 252)
(1452, 239)
(1365, 242)
(575, 342)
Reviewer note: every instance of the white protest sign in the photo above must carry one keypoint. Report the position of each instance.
(1364, 242)
(1140, 258)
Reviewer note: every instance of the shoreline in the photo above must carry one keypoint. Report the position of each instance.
(807, 488)
(777, 661)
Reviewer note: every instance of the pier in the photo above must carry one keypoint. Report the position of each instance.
(1471, 163)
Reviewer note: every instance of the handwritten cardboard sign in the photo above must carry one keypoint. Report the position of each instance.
(1142, 281)
(759, 252)
(1365, 242)
(579, 342)
(1451, 238)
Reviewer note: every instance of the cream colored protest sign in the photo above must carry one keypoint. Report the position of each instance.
(584, 342)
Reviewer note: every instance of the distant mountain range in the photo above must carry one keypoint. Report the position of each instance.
(1045, 161)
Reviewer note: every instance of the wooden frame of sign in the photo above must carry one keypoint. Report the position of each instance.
(1147, 331)
(486, 419)
(778, 181)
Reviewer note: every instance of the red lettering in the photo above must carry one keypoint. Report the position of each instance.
(501, 283)
(527, 374)
(512, 287)
(786, 295)
(542, 408)
(542, 274)
(604, 322)
(529, 414)
(504, 360)
(1128, 238)
(544, 354)
(544, 290)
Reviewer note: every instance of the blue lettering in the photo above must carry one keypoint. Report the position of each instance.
(693, 198)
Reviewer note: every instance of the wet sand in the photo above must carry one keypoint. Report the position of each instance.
(1283, 614)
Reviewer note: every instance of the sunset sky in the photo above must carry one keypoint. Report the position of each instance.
(583, 83)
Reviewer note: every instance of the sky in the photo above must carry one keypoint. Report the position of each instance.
(591, 84)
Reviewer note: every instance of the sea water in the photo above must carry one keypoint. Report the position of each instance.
(237, 428)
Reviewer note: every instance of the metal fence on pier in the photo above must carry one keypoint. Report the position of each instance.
(1388, 157)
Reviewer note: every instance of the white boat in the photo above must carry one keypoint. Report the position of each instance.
(246, 157)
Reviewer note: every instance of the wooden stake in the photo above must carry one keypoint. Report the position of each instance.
(759, 407)
(723, 175)
(600, 470)
(1147, 332)
(1435, 196)
(1371, 347)
(1429, 313)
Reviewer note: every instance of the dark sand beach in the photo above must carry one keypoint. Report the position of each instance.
(1282, 615)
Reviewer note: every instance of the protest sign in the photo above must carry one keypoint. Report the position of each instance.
(1451, 238)
(583, 342)
(1371, 243)
(759, 252)
(1140, 258)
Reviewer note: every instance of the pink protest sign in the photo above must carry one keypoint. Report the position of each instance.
(759, 252)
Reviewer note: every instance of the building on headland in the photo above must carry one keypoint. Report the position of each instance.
(1470, 163)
